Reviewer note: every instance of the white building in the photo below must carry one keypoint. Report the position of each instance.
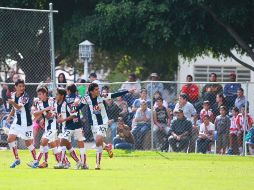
(202, 66)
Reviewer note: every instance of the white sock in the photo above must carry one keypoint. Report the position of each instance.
(83, 155)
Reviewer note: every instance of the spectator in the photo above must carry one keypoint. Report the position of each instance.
(205, 135)
(93, 79)
(243, 126)
(180, 132)
(157, 95)
(233, 131)
(81, 87)
(161, 116)
(190, 89)
(131, 83)
(206, 111)
(188, 109)
(61, 80)
(2, 109)
(230, 90)
(142, 124)
(222, 125)
(113, 113)
(137, 102)
(210, 90)
(155, 86)
(122, 104)
(124, 138)
(220, 101)
(240, 100)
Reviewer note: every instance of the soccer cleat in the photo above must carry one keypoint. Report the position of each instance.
(85, 167)
(97, 167)
(59, 166)
(33, 164)
(43, 165)
(67, 165)
(15, 163)
(78, 165)
(108, 148)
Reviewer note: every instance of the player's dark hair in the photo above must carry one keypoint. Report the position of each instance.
(61, 91)
(235, 109)
(92, 86)
(213, 74)
(19, 81)
(241, 89)
(72, 88)
(42, 88)
(190, 76)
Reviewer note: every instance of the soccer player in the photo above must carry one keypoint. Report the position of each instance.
(98, 117)
(73, 128)
(22, 124)
(46, 108)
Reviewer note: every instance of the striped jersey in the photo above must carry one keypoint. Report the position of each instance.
(22, 116)
(71, 109)
(49, 116)
(97, 113)
(61, 110)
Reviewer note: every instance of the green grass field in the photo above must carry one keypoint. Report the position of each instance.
(134, 170)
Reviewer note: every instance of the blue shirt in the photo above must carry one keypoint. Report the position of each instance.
(231, 89)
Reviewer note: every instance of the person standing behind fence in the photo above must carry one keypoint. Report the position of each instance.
(230, 90)
(180, 132)
(137, 102)
(240, 100)
(141, 123)
(222, 125)
(233, 131)
(190, 89)
(206, 134)
(243, 126)
(210, 90)
(81, 88)
(61, 80)
(155, 86)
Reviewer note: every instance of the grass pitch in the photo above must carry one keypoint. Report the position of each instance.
(134, 170)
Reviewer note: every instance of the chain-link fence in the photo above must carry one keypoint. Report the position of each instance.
(168, 116)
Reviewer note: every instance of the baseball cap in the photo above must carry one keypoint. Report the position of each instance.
(154, 75)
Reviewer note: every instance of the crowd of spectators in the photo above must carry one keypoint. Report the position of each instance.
(199, 117)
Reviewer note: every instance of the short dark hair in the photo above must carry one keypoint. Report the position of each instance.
(207, 116)
(189, 76)
(93, 75)
(241, 89)
(159, 98)
(19, 81)
(133, 76)
(184, 96)
(72, 88)
(143, 90)
(223, 107)
(235, 109)
(213, 74)
(92, 86)
(61, 91)
(42, 88)
(105, 88)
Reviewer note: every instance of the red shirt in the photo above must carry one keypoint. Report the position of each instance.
(191, 90)
(240, 122)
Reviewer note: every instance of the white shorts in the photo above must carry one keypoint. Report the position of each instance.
(23, 132)
(76, 133)
(100, 130)
(51, 135)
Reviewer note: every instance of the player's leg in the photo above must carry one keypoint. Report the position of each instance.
(78, 135)
(43, 152)
(13, 147)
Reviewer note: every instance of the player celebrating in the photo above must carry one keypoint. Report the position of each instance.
(72, 123)
(46, 108)
(22, 124)
(98, 118)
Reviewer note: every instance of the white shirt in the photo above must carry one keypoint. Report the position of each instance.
(210, 127)
(127, 86)
(188, 110)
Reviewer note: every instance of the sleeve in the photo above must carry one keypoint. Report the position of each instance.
(201, 130)
(212, 127)
(216, 123)
(137, 114)
(193, 110)
(114, 95)
(184, 89)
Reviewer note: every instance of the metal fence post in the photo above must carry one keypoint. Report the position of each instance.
(52, 48)
(245, 119)
(152, 123)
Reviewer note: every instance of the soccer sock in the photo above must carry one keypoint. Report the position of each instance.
(13, 147)
(46, 154)
(83, 155)
(56, 153)
(63, 150)
(41, 153)
(98, 154)
(32, 150)
(73, 154)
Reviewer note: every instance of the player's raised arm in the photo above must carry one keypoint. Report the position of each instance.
(117, 94)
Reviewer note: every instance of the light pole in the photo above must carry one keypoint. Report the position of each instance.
(85, 54)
